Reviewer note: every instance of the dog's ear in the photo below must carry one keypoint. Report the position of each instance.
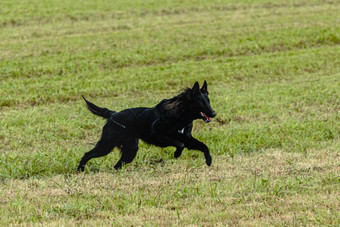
(196, 88)
(204, 88)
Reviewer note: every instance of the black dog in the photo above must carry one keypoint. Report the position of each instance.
(167, 124)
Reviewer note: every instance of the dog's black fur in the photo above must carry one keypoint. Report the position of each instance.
(167, 124)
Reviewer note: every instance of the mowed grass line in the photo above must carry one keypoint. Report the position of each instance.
(274, 80)
(265, 68)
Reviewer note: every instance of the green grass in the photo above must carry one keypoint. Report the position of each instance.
(273, 71)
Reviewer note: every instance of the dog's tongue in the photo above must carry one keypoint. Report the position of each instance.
(205, 116)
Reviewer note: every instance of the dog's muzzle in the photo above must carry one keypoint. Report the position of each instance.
(206, 118)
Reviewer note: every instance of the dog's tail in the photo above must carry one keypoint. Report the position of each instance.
(103, 112)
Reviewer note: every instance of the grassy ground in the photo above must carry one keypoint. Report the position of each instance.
(273, 69)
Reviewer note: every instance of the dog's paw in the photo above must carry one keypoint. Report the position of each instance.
(80, 168)
(177, 153)
(208, 160)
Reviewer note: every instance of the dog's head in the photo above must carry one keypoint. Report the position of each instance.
(201, 102)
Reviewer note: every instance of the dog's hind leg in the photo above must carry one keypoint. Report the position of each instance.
(129, 151)
(109, 139)
(101, 149)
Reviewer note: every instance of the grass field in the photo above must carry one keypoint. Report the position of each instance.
(273, 71)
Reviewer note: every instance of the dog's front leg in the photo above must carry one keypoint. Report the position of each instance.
(168, 141)
(193, 144)
(180, 134)
(164, 139)
(178, 152)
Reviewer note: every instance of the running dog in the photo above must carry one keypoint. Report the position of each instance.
(169, 123)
